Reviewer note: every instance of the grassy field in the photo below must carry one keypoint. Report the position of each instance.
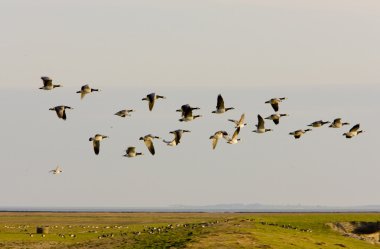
(180, 230)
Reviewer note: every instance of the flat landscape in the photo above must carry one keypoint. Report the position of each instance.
(189, 230)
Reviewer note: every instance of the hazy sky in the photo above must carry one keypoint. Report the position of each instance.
(324, 56)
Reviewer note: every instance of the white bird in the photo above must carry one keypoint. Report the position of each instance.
(48, 83)
(318, 123)
(234, 139)
(148, 140)
(151, 98)
(239, 123)
(260, 128)
(218, 135)
(354, 131)
(56, 171)
(124, 113)
(61, 111)
(131, 152)
(276, 117)
(177, 137)
(220, 106)
(298, 133)
(85, 90)
(274, 102)
(96, 142)
(337, 123)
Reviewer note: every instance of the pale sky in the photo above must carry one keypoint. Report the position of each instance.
(324, 56)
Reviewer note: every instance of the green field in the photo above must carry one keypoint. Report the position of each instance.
(183, 230)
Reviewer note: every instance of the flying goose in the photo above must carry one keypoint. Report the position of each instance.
(177, 137)
(152, 98)
(260, 128)
(96, 142)
(85, 90)
(220, 106)
(354, 131)
(131, 152)
(48, 83)
(239, 123)
(184, 109)
(148, 140)
(188, 115)
(318, 123)
(217, 135)
(274, 102)
(276, 117)
(298, 133)
(56, 171)
(124, 113)
(234, 139)
(61, 111)
(337, 123)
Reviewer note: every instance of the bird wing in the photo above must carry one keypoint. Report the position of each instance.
(214, 142)
(151, 104)
(96, 144)
(63, 114)
(149, 144)
(260, 122)
(82, 94)
(241, 121)
(236, 133)
(47, 81)
(275, 106)
(220, 102)
(355, 128)
(276, 121)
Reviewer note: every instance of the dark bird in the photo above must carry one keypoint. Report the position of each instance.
(48, 83)
(319, 123)
(124, 113)
(187, 115)
(276, 117)
(275, 102)
(220, 106)
(85, 90)
(260, 127)
(148, 140)
(298, 133)
(354, 131)
(61, 111)
(184, 109)
(151, 98)
(131, 152)
(337, 123)
(177, 137)
(96, 142)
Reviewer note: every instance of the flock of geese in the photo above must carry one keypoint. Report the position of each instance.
(187, 115)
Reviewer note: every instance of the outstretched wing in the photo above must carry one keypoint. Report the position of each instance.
(149, 145)
(260, 122)
(355, 128)
(96, 145)
(275, 106)
(220, 102)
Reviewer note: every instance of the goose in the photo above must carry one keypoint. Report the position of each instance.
(354, 131)
(124, 113)
(239, 123)
(96, 142)
(85, 90)
(298, 133)
(56, 171)
(61, 111)
(318, 123)
(152, 98)
(48, 83)
(188, 116)
(260, 128)
(131, 152)
(234, 139)
(217, 135)
(177, 137)
(337, 123)
(148, 140)
(274, 102)
(184, 109)
(276, 117)
(220, 106)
